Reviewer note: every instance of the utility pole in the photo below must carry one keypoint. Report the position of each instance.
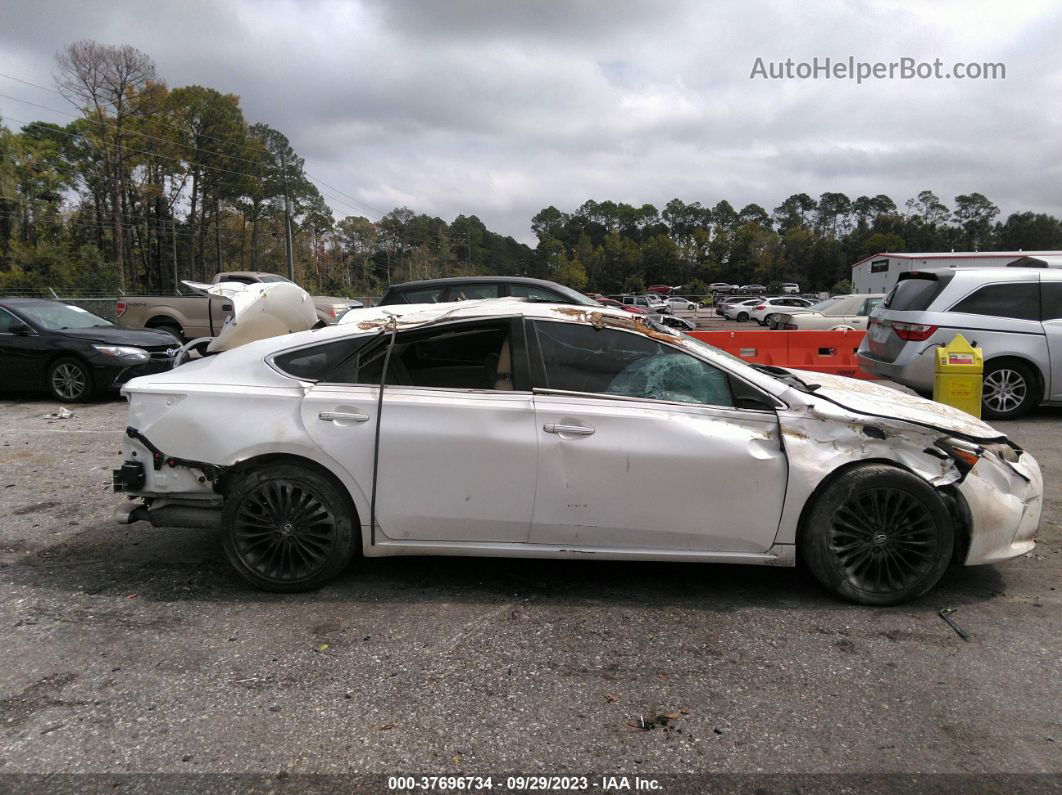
(173, 220)
(287, 216)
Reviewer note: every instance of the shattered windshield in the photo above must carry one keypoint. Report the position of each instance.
(675, 377)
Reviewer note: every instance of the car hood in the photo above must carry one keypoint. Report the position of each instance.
(110, 335)
(866, 397)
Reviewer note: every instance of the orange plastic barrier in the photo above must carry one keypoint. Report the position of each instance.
(820, 351)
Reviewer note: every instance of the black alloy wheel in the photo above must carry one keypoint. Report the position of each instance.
(883, 538)
(286, 528)
(878, 535)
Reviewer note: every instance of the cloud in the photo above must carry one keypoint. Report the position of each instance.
(500, 109)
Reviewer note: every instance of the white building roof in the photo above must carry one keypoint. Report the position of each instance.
(959, 255)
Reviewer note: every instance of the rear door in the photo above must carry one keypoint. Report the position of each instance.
(641, 447)
(458, 449)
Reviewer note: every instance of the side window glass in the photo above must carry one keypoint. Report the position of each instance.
(1018, 301)
(472, 292)
(580, 358)
(535, 293)
(6, 321)
(1052, 298)
(454, 358)
(428, 295)
(318, 362)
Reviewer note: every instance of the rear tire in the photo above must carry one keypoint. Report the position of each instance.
(171, 328)
(288, 528)
(877, 535)
(70, 380)
(742, 317)
(1009, 390)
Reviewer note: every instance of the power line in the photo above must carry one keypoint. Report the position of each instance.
(28, 83)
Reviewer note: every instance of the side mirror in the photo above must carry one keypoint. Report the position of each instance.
(19, 328)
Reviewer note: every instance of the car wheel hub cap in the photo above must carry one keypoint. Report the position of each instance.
(284, 531)
(1005, 390)
(68, 380)
(883, 539)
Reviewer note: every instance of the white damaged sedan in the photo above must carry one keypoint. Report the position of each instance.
(508, 428)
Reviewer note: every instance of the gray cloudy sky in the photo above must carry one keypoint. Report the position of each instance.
(502, 108)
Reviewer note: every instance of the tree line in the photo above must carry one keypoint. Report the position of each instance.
(148, 185)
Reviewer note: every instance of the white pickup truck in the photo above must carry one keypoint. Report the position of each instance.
(201, 315)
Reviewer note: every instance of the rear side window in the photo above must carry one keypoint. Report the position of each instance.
(427, 295)
(457, 357)
(580, 358)
(472, 292)
(1051, 295)
(535, 293)
(1018, 301)
(316, 362)
(914, 294)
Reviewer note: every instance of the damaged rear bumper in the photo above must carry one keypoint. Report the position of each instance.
(1005, 501)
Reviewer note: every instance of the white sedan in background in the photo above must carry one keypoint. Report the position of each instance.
(847, 313)
(739, 310)
(683, 304)
(501, 428)
(763, 311)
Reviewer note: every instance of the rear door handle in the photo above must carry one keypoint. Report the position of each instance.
(571, 430)
(343, 416)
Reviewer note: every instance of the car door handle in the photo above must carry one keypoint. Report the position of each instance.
(343, 416)
(573, 430)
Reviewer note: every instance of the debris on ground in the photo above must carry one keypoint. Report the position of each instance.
(61, 413)
(611, 698)
(650, 721)
(946, 615)
(321, 648)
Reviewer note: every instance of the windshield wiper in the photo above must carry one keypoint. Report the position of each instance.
(785, 376)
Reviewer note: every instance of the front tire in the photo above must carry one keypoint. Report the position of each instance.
(70, 380)
(1008, 391)
(877, 535)
(288, 528)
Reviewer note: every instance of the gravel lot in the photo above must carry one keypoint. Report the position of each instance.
(131, 649)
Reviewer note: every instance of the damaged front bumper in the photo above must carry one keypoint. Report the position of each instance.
(1005, 500)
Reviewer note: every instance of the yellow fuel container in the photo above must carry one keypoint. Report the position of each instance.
(958, 373)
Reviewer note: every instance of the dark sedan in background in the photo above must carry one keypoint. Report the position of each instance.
(71, 353)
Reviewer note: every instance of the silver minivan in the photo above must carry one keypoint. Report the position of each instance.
(1013, 314)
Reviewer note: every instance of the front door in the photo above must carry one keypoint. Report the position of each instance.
(458, 448)
(641, 447)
